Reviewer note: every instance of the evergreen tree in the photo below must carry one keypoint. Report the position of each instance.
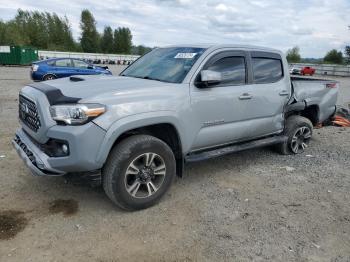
(347, 53)
(140, 50)
(293, 55)
(117, 41)
(127, 40)
(89, 37)
(122, 40)
(3, 38)
(37, 29)
(48, 31)
(334, 57)
(107, 40)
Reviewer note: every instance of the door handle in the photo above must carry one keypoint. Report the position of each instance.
(245, 96)
(284, 93)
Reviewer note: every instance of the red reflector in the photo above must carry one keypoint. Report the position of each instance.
(331, 85)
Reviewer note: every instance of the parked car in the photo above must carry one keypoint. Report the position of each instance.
(172, 106)
(294, 70)
(307, 70)
(62, 67)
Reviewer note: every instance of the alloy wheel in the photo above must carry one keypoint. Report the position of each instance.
(145, 175)
(300, 139)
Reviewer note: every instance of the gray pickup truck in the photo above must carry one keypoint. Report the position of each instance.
(174, 105)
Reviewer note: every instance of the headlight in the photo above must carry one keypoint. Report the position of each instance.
(76, 114)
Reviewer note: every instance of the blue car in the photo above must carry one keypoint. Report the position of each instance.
(63, 67)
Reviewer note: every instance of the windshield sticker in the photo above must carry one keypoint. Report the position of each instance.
(185, 55)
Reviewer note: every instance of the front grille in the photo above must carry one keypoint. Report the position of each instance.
(28, 113)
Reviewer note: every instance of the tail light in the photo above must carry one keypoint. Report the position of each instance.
(331, 85)
(35, 68)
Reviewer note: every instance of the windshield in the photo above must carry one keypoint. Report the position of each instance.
(165, 64)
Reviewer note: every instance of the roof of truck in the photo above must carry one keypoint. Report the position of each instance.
(219, 46)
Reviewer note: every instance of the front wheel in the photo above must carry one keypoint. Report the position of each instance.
(298, 130)
(138, 172)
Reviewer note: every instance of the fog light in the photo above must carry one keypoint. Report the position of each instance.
(65, 148)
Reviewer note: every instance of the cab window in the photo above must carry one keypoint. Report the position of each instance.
(267, 70)
(232, 69)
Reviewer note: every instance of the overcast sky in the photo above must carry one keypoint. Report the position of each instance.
(316, 26)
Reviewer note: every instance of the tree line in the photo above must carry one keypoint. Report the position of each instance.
(332, 57)
(48, 31)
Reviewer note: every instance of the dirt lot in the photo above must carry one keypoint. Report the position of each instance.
(252, 206)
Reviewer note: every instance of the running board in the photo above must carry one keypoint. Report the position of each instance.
(194, 157)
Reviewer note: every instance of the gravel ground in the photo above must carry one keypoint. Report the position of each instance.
(251, 206)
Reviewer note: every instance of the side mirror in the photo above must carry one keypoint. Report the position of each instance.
(209, 77)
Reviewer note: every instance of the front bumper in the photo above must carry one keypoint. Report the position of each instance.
(35, 160)
(84, 142)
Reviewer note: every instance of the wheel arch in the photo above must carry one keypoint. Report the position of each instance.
(164, 128)
(311, 112)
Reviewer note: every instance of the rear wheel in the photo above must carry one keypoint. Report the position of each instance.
(299, 131)
(49, 77)
(138, 172)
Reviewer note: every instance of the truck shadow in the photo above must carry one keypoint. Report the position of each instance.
(61, 192)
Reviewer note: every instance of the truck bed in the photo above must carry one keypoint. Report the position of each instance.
(305, 78)
(322, 93)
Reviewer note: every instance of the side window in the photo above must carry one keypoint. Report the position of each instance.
(267, 70)
(232, 69)
(63, 63)
(80, 64)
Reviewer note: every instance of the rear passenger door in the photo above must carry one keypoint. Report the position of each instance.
(270, 91)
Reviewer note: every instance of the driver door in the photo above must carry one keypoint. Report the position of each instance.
(82, 68)
(223, 108)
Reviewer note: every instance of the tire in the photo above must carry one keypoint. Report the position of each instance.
(132, 183)
(298, 129)
(49, 77)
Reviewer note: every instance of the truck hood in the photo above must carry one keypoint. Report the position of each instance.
(101, 87)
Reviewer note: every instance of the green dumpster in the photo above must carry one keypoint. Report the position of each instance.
(17, 55)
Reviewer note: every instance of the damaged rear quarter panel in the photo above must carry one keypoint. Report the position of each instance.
(316, 93)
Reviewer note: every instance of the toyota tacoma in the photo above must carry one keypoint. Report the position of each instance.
(174, 105)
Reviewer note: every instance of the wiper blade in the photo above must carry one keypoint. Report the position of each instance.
(131, 76)
(150, 78)
(145, 77)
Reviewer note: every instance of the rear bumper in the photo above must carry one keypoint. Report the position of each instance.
(35, 160)
(36, 76)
